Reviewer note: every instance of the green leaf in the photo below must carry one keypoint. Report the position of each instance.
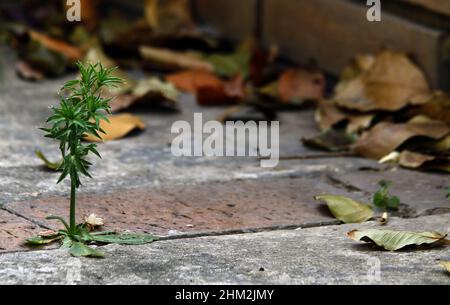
(125, 239)
(51, 217)
(394, 240)
(40, 240)
(67, 243)
(51, 165)
(346, 209)
(382, 198)
(231, 65)
(79, 249)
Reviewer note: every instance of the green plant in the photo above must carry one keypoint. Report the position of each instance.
(382, 199)
(79, 114)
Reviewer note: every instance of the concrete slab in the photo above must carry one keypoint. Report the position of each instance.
(322, 255)
(421, 193)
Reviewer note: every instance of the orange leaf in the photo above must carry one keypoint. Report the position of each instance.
(56, 45)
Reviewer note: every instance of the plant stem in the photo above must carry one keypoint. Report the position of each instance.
(72, 207)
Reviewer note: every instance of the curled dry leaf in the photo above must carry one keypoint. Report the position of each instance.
(59, 46)
(192, 80)
(412, 159)
(390, 83)
(94, 221)
(346, 209)
(150, 92)
(169, 16)
(209, 89)
(300, 84)
(358, 65)
(331, 140)
(167, 59)
(446, 265)
(118, 127)
(328, 115)
(394, 240)
(26, 71)
(437, 106)
(48, 233)
(51, 165)
(385, 137)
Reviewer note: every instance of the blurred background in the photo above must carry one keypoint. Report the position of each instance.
(258, 58)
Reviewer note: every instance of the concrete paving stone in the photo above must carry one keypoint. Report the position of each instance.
(321, 255)
(14, 230)
(209, 207)
(420, 192)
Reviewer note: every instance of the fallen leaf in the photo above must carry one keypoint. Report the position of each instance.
(48, 233)
(328, 115)
(41, 240)
(412, 159)
(446, 265)
(301, 84)
(51, 165)
(346, 209)
(59, 46)
(79, 249)
(26, 71)
(150, 92)
(168, 16)
(357, 66)
(230, 92)
(390, 83)
(394, 240)
(118, 127)
(89, 15)
(192, 80)
(173, 60)
(230, 65)
(94, 221)
(437, 107)
(330, 140)
(385, 137)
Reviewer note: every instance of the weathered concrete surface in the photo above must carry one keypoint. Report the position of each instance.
(322, 255)
(421, 193)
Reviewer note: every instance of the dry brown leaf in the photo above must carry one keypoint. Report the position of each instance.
(89, 15)
(230, 92)
(118, 127)
(385, 137)
(410, 159)
(391, 82)
(359, 64)
(153, 92)
(437, 107)
(301, 84)
(327, 115)
(191, 80)
(164, 58)
(168, 16)
(27, 72)
(56, 45)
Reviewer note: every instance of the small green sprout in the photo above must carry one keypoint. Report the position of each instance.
(79, 114)
(382, 199)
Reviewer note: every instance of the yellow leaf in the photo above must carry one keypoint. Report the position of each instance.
(118, 127)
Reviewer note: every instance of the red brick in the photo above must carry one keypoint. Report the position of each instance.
(207, 207)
